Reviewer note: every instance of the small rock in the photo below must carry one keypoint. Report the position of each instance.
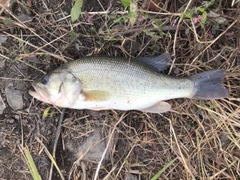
(2, 63)
(224, 139)
(10, 121)
(33, 58)
(94, 114)
(213, 14)
(16, 116)
(3, 38)
(176, 70)
(14, 98)
(2, 105)
(18, 142)
(131, 177)
(24, 18)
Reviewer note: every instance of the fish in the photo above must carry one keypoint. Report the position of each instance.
(102, 83)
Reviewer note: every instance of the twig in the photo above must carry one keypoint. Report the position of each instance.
(56, 141)
(15, 79)
(175, 37)
(30, 44)
(161, 13)
(213, 41)
(196, 35)
(180, 151)
(84, 174)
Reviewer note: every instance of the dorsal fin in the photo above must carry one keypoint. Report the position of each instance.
(158, 63)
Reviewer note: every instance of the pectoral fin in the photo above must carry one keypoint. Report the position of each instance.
(160, 107)
(96, 95)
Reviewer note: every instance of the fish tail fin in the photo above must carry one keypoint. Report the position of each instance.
(208, 85)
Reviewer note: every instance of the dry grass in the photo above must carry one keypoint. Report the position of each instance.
(203, 135)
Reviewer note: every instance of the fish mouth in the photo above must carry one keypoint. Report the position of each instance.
(34, 94)
(37, 93)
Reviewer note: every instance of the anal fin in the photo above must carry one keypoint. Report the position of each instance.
(159, 107)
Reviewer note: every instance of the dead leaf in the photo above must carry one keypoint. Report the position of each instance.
(133, 10)
(3, 2)
(152, 5)
(29, 3)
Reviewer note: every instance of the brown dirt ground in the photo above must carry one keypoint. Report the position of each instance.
(204, 136)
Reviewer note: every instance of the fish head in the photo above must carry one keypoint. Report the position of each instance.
(60, 87)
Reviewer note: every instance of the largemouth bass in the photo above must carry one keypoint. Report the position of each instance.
(99, 83)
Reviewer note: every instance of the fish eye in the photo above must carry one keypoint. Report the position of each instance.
(45, 80)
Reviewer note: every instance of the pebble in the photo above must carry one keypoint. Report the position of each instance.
(131, 177)
(2, 63)
(14, 98)
(16, 116)
(3, 38)
(94, 114)
(2, 105)
(10, 121)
